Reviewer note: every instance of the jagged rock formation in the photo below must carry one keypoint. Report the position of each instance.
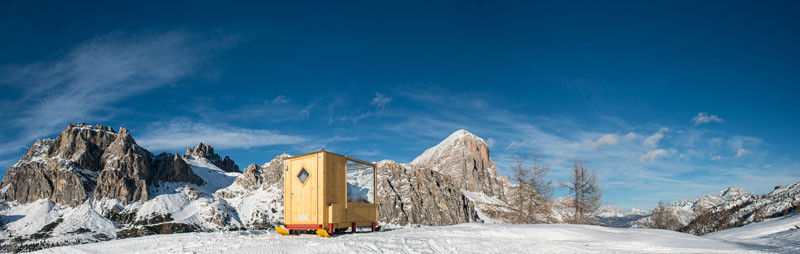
(93, 181)
(464, 157)
(207, 151)
(172, 168)
(87, 159)
(34, 178)
(126, 170)
(255, 176)
(409, 194)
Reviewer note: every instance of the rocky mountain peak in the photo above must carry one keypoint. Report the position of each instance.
(465, 157)
(86, 160)
(207, 152)
(83, 144)
(271, 173)
(732, 193)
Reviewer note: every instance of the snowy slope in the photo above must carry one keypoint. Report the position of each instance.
(263, 205)
(462, 238)
(214, 177)
(781, 234)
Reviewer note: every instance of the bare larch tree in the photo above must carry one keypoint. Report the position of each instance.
(531, 196)
(585, 191)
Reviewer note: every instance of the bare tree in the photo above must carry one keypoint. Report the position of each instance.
(585, 191)
(663, 218)
(531, 196)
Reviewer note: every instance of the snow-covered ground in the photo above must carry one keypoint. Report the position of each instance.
(779, 235)
(463, 238)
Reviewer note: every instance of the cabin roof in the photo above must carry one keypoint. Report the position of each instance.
(345, 156)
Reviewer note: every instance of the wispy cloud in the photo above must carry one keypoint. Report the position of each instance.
(380, 101)
(490, 142)
(652, 155)
(182, 134)
(704, 117)
(741, 152)
(608, 139)
(652, 140)
(81, 85)
(280, 99)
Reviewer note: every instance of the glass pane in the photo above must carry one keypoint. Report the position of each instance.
(360, 182)
(303, 175)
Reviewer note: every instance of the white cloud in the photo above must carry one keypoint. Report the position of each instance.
(716, 158)
(652, 140)
(652, 155)
(182, 134)
(631, 135)
(704, 117)
(80, 85)
(490, 142)
(741, 152)
(768, 166)
(281, 99)
(608, 139)
(380, 101)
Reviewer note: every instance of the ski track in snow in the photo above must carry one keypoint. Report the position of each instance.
(462, 238)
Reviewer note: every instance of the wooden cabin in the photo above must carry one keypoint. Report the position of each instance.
(328, 191)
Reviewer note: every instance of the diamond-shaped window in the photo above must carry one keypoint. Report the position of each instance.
(303, 175)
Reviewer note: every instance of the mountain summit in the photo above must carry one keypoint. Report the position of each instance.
(464, 157)
(207, 152)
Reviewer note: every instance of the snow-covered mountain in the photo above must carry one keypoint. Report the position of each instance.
(92, 183)
(465, 157)
(613, 217)
(741, 209)
(683, 211)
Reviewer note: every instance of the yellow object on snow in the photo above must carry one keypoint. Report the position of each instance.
(281, 230)
(323, 233)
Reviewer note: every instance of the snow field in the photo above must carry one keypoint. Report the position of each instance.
(462, 238)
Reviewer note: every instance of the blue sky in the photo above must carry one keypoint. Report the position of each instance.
(666, 100)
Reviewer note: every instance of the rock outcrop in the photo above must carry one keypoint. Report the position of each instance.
(207, 152)
(464, 157)
(126, 170)
(269, 174)
(172, 168)
(86, 159)
(409, 194)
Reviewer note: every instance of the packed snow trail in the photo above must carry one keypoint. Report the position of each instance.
(463, 238)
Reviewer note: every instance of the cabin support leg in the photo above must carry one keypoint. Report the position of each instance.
(330, 228)
(373, 226)
(354, 227)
